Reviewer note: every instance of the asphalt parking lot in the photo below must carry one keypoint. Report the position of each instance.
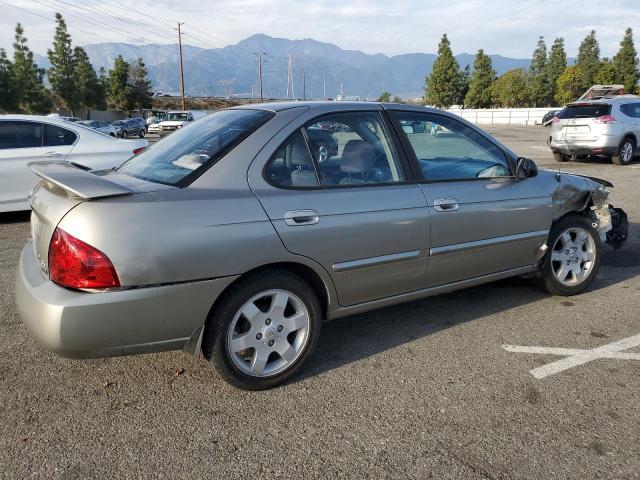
(422, 390)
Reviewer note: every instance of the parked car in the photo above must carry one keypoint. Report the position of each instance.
(71, 119)
(100, 126)
(141, 122)
(548, 117)
(231, 238)
(607, 126)
(174, 121)
(324, 142)
(31, 138)
(127, 128)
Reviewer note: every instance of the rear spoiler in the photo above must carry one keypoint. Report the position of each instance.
(77, 181)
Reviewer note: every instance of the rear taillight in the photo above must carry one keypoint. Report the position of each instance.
(138, 150)
(605, 119)
(75, 264)
(555, 121)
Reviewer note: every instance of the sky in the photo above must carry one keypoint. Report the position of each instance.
(505, 27)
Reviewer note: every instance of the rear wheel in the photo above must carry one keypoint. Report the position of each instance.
(141, 134)
(626, 152)
(265, 328)
(113, 134)
(573, 258)
(124, 134)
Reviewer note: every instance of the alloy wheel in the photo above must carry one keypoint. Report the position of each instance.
(573, 256)
(268, 333)
(626, 151)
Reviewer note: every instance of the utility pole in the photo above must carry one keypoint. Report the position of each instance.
(304, 87)
(259, 55)
(324, 82)
(181, 66)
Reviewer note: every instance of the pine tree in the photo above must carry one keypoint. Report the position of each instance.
(61, 74)
(569, 86)
(483, 76)
(539, 86)
(464, 85)
(103, 81)
(625, 63)
(119, 90)
(7, 86)
(510, 90)
(140, 85)
(384, 97)
(556, 65)
(30, 94)
(589, 60)
(88, 86)
(444, 85)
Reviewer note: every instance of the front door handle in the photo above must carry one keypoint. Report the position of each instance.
(297, 218)
(53, 154)
(445, 205)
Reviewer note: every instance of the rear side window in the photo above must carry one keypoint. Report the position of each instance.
(291, 165)
(20, 135)
(194, 148)
(55, 136)
(631, 109)
(585, 111)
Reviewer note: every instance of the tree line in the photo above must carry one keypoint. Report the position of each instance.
(548, 81)
(73, 83)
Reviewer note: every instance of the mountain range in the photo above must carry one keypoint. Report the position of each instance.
(233, 70)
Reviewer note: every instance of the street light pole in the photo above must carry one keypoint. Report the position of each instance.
(259, 55)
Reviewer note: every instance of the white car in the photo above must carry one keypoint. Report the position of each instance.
(174, 121)
(32, 138)
(99, 126)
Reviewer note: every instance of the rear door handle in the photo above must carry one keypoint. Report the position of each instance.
(53, 154)
(297, 218)
(445, 205)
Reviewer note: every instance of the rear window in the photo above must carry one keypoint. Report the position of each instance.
(191, 149)
(585, 111)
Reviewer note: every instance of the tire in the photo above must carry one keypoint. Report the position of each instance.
(244, 327)
(113, 135)
(124, 134)
(626, 152)
(559, 157)
(569, 258)
(141, 134)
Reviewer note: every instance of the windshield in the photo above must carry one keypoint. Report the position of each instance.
(182, 117)
(193, 148)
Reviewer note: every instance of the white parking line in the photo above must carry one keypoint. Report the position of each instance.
(575, 357)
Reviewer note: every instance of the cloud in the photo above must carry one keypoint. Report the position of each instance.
(505, 27)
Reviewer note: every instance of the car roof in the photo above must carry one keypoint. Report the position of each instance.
(37, 118)
(335, 106)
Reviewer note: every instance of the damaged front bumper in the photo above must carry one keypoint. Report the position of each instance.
(612, 223)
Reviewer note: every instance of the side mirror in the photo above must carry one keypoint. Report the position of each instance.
(526, 168)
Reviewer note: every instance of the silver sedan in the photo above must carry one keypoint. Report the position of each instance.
(232, 238)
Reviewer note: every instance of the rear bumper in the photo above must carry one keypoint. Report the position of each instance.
(603, 145)
(119, 322)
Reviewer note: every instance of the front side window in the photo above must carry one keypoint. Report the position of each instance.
(194, 148)
(447, 149)
(55, 136)
(353, 149)
(291, 165)
(20, 135)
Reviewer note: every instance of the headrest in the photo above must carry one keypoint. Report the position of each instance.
(358, 156)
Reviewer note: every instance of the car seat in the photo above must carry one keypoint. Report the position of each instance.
(358, 157)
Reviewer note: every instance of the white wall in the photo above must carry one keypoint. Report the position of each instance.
(502, 116)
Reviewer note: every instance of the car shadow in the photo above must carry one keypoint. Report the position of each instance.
(350, 339)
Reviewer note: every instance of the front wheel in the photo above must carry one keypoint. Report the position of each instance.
(559, 157)
(265, 328)
(125, 134)
(573, 258)
(141, 134)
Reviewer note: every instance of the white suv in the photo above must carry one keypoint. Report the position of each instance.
(605, 126)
